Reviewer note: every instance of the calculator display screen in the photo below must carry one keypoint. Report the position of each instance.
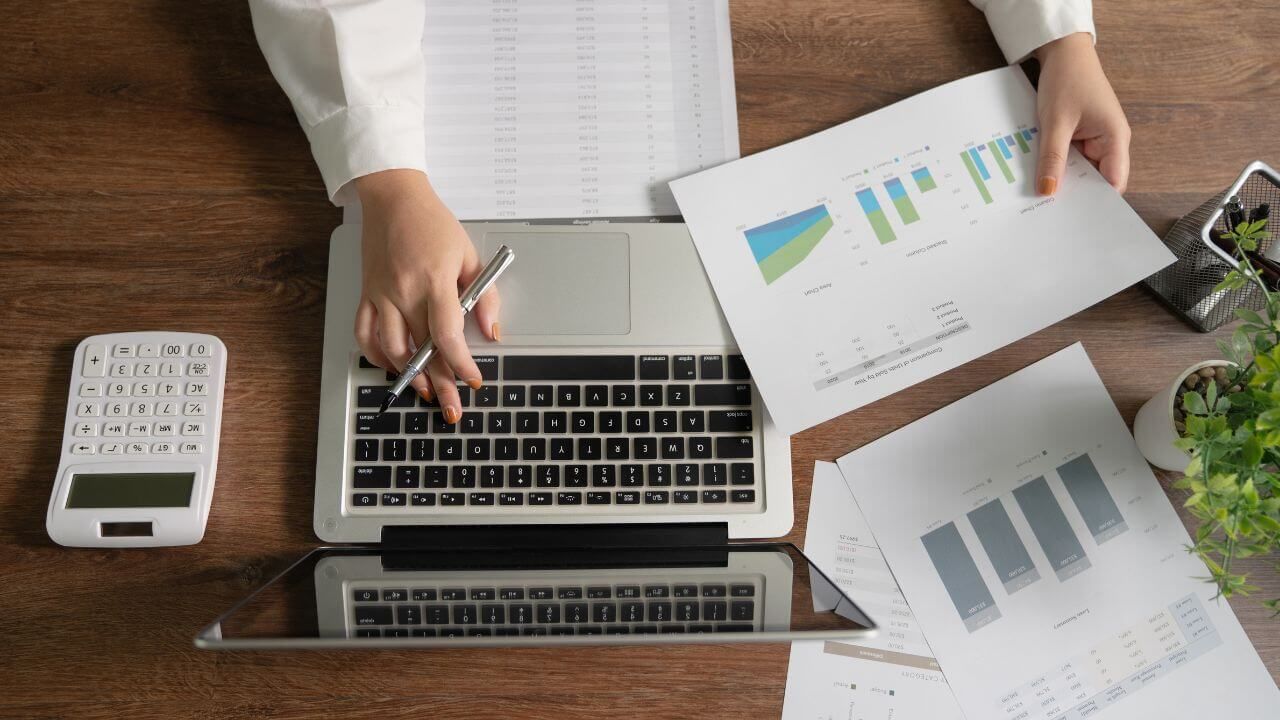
(131, 490)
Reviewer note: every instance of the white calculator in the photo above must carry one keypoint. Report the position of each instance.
(140, 446)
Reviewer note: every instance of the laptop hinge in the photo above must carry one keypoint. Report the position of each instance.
(498, 537)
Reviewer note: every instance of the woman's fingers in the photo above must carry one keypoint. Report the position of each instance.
(1110, 153)
(1055, 144)
(486, 309)
(367, 335)
(445, 321)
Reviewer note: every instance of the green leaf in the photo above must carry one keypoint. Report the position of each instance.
(1251, 316)
(1211, 394)
(1222, 483)
(1194, 404)
(1252, 451)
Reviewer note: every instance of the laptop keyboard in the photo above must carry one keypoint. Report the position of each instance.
(542, 609)
(610, 434)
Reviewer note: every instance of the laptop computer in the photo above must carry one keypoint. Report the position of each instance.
(616, 397)
(597, 489)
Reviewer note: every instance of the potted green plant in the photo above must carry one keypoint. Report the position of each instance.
(1229, 432)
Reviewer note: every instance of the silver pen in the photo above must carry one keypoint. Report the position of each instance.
(470, 296)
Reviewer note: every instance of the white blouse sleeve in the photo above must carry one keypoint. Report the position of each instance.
(353, 70)
(1022, 26)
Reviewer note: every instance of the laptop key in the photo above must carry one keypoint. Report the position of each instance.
(730, 420)
(549, 612)
(408, 614)
(450, 449)
(656, 497)
(422, 499)
(599, 498)
(478, 498)
(513, 396)
(714, 610)
(491, 476)
(453, 499)
(373, 615)
(576, 612)
(738, 368)
(700, 448)
(555, 422)
(521, 614)
(677, 395)
(511, 594)
(742, 590)
(510, 498)
(568, 395)
(686, 474)
(632, 612)
(735, 447)
(471, 423)
(713, 496)
(493, 614)
(437, 614)
(627, 498)
(743, 473)
(526, 422)
(617, 449)
(714, 474)
(375, 424)
(685, 496)
(638, 421)
(713, 590)
(687, 611)
(583, 422)
(408, 476)
(604, 476)
(569, 498)
(684, 368)
(463, 476)
(718, 394)
(650, 395)
(478, 448)
(505, 449)
(685, 591)
(464, 614)
(548, 476)
(569, 367)
(521, 476)
(422, 449)
(488, 365)
(659, 475)
(644, 448)
(394, 449)
(499, 423)
(604, 612)
(624, 395)
(610, 422)
(366, 450)
(365, 595)
(487, 396)
(542, 396)
(371, 476)
(423, 595)
(654, 367)
(423, 632)
(692, 421)
(479, 632)
(534, 449)
(743, 496)
(540, 498)
(664, 421)
(435, 476)
(712, 367)
(596, 395)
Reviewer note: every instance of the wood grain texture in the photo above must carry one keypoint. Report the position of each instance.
(153, 175)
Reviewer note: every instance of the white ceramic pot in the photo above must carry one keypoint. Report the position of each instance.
(1153, 427)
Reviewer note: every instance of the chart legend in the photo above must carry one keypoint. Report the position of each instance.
(781, 245)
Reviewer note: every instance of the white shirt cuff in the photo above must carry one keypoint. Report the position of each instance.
(1023, 26)
(357, 141)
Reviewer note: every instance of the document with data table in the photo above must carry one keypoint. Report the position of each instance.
(1046, 565)
(861, 260)
(892, 675)
(539, 109)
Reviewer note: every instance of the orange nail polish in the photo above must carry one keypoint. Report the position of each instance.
(426, 394)
(474, 383)
(451, 415)
(1047, 185)
(496, 331)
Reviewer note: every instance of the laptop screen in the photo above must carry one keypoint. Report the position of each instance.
(373, 597)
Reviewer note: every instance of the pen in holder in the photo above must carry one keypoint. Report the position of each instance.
(1204, 258)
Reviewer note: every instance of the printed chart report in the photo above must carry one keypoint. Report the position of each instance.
(892, 675)
(873, 255)
(552, 109)
(1044, 562)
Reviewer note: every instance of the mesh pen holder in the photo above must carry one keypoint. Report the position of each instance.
(1187, 286)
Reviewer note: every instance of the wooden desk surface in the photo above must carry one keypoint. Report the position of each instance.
(152, 175)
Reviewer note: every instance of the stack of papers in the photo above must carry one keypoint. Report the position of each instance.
(1041, 560)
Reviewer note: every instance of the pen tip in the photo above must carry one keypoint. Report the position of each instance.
(386, 403)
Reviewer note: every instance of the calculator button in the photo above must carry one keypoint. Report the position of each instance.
(82, 448)
(116, 389)
(198, 369)
(91, 389)
(143, 389)
(148, 350)
(193, 409)
(88, 409)
(192, 428)
(86, 430)
(162, 448)
(170, 369)
(112, 448)
(140, 409)
(136, 448)
(95, 361)
(167, 408)
(166, 428)
(201, 349)
(191, 448)
(171, 350)
(168, 389)
(113, 429)
(147, 368)
(122, 369)
(139, 429)
(125, 351)
(116, 409)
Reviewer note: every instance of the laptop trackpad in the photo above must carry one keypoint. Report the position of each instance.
(565, 283)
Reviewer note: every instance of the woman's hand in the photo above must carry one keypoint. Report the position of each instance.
(1076, 103)
(416, 260)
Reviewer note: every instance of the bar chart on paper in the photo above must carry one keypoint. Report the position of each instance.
(1044, 562)
(983, 159)
(780, 245)
(860, 260)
